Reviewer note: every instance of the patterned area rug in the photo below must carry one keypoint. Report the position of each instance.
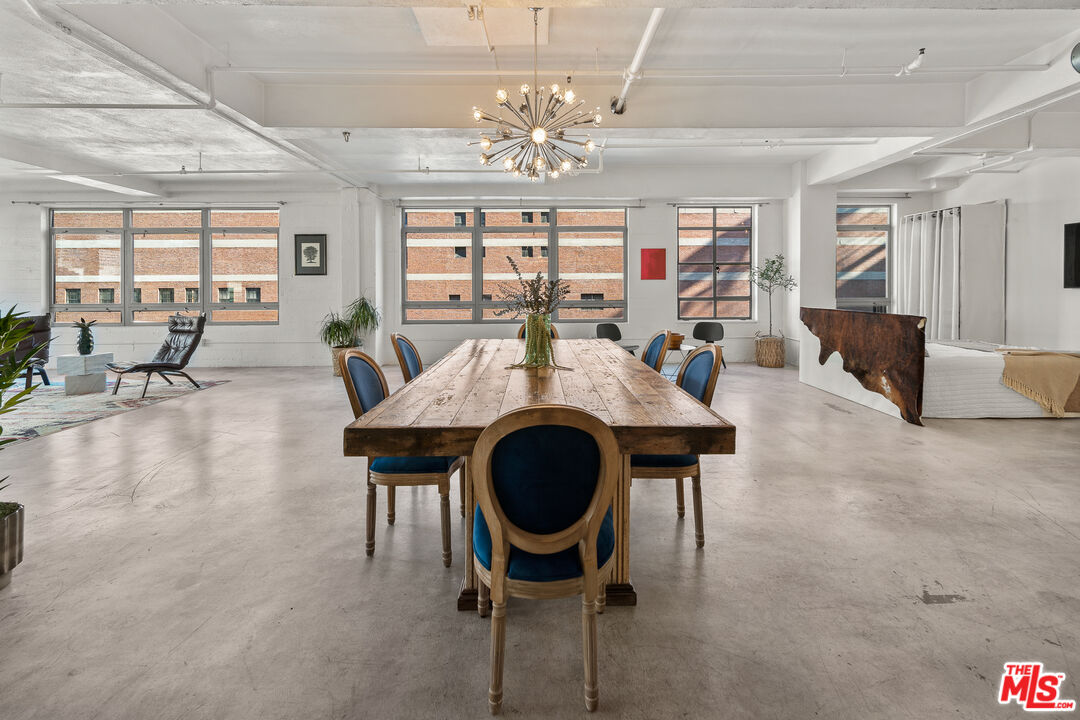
(49, 410)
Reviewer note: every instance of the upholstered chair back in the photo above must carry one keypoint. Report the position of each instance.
(656, 349)
(408, 357)
(699, 371)
(364, 381)
(185, 332)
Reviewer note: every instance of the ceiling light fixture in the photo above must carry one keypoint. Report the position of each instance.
(533, 140)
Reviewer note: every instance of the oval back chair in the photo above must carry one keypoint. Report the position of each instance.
(521, 332)
(544, 526)
(697, 376)
(366, 387)
(408, 356)
(656, 350)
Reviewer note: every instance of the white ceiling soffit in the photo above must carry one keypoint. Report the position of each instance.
(452, 27)
(750, 4)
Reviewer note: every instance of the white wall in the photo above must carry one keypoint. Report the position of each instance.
(304, 300)
(1041, 199)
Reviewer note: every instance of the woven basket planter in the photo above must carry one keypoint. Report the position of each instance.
(769, 352)
(11, 544)
(335, 353)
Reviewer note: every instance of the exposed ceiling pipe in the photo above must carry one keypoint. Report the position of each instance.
(618, 104)
(120, 53)
(100, 106)
(652, 75)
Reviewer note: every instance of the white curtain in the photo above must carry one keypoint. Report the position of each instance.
(928, 271)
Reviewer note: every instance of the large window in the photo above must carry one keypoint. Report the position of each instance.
(138, 264)
(863, 235)
(715, 255)
(454, 260)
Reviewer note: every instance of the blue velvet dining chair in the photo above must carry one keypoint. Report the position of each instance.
(543, 526)
(407, 356)
(656, 350)
(697, 376)
(366, 387)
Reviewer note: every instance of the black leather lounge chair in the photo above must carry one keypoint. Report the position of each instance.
(184, 334)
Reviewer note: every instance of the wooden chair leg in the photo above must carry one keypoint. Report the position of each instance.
(483, 599)
(601, 599)
(146, 384)
(444, 505)
(498, 645)
(461, 481)
(680, 508)
(370, 547)
(699, 530)
(391, 504)
(589, 638)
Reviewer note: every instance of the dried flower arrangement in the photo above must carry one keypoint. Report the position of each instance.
(536, 296)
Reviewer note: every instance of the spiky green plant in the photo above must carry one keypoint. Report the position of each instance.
(363, 315)
(85, 343)
(337, 331)
(13, 330)
(770, 277)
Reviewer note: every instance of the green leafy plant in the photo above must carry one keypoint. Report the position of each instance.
(535, 296)
(336, 331)
(13, 330)
(770, 277)
(85, 343)
(363, 315)
(344, 329)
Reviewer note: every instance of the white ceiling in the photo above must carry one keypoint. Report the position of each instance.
(38, 63)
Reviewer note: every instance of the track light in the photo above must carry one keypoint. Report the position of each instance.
(914, 65)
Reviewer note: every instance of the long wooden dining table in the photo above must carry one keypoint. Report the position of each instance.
(444, 410)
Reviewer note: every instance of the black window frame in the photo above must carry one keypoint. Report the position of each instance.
(715, 266)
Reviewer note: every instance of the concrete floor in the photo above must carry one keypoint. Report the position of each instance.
(203, 558)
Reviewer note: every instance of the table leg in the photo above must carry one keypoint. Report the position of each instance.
(620, 591)
(467, 596)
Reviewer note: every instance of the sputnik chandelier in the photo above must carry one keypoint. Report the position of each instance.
(532, 140)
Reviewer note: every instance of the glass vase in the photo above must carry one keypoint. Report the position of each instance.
(537, 341)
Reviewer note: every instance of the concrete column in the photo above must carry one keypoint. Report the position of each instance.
(810, 247)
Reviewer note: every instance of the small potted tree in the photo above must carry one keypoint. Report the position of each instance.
(13, 330)
(347, 330)
(769, 349)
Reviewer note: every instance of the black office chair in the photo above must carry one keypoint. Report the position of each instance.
(711, 332)
(610, 331)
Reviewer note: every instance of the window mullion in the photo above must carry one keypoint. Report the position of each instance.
(127, 272)
(477, 268)
(206, 256)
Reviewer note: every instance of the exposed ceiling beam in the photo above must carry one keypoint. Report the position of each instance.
(62, 164)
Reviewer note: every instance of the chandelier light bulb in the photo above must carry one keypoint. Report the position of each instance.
(501, 95)
(554, 88)
(539, 162)
(583, 162)
(508, 162)
(569, 95)
(539, 135)
(517, 172)
(533, 176)
(597, 118)
(524, 89)
(589, 145)
(485, 143)
(477, 114)
(484, 159)
(565, 166)
(554, 174)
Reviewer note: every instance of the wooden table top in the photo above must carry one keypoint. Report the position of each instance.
(444, 410)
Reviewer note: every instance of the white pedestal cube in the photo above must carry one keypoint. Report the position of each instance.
(83, 373)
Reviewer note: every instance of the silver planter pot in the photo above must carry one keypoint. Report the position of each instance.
(11, 543)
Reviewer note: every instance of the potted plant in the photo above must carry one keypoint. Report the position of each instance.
(12, 331)
(85, 342)
(536, 299)
(769, 349)
(346, 330)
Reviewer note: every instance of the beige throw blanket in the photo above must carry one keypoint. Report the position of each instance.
(1051, 379)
